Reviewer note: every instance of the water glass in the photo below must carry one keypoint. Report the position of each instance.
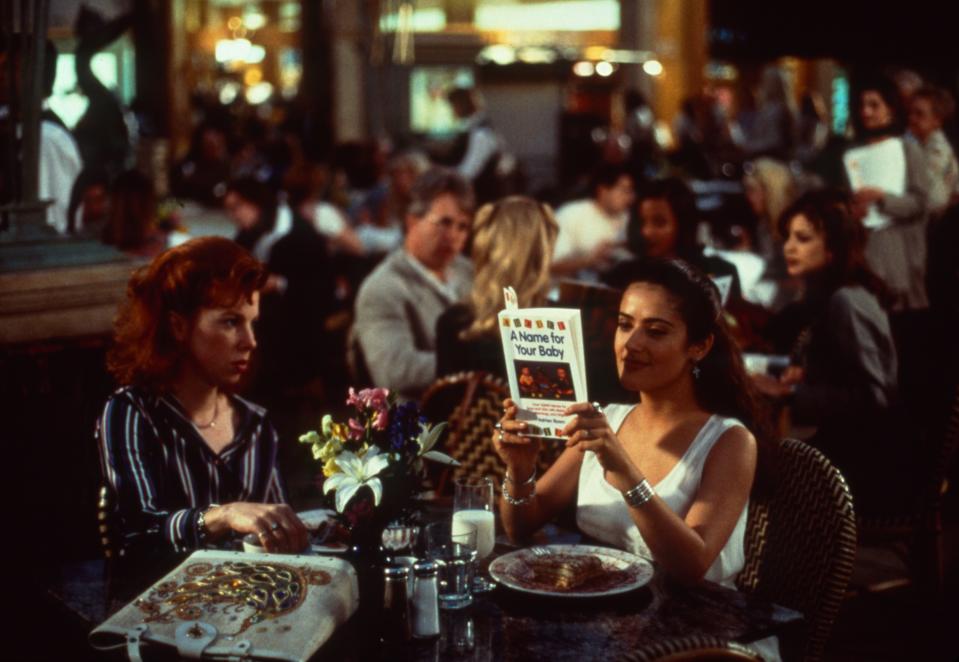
(454, 555)
(473, 506)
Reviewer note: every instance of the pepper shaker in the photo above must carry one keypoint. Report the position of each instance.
(426, 613)
(396, 606)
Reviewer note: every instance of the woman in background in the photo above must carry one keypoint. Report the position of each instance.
(665, 227)
(929, 108)
(843, 379)
(299, 293)
(513, 243)
(187, 460)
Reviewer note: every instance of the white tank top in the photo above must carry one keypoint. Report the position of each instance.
(602, 514)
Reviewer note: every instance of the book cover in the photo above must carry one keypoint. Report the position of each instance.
(879, 165)
(545, 363)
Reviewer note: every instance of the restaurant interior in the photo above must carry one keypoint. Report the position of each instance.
(192, 95)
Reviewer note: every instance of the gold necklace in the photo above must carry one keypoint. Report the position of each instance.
(216, 414)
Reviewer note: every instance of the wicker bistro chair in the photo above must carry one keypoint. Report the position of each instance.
(471, 403)
(920, 528)
(801, 542)
(697, 648)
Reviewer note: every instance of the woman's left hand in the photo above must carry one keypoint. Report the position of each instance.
(590, 431)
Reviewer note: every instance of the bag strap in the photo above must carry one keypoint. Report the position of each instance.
(133, 642)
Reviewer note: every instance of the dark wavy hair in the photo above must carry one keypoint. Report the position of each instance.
(723, 386)
(203, 272)
(828, 212)
(887, 89)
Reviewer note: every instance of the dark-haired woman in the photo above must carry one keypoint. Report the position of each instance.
(668, 476)
(895, 251)
(664, 228)
(299, 292)
(844, 377)
(187, 460)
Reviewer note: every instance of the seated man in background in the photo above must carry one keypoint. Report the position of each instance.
(399, 302)
(593, 230)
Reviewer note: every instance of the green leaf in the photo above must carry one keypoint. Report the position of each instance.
(442, 458)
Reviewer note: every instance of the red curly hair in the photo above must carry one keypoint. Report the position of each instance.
(203, 272)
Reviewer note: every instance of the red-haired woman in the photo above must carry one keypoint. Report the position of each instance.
(188, 460)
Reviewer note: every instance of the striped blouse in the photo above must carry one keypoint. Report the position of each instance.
(162, 473)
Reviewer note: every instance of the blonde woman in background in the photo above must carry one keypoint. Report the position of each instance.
(513, 243)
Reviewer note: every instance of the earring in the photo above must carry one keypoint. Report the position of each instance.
(696, 371)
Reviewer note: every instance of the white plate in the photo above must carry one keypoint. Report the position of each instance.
(635, 571)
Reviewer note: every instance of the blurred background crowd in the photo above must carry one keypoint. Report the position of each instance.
(583, 136)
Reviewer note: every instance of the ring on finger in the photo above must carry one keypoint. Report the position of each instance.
(501, 435)
(498, 426)
(274, 526)
(597, 408)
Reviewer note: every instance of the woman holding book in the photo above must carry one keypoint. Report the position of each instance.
(187, 461)
(512, 246)
(668, 476)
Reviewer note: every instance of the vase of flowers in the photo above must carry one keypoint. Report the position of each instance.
(374, 464)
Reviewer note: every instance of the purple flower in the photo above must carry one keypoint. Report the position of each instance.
(404, 425)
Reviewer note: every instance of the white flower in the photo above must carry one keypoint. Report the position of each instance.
(355, 473)
(427, 439)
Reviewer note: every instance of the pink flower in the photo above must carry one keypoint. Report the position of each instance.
(369, 398)
(357, 430)
(381, 419)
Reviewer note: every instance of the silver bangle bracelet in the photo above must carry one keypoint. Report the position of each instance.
(513, 501)
(528, 481)
(640, 494)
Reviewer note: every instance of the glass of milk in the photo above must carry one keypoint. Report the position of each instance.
(473, 501)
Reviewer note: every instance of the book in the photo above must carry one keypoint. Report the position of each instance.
(232, 605)
(545, 363)
(881, 165)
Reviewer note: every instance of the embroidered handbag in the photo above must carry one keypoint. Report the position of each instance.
(237, 606)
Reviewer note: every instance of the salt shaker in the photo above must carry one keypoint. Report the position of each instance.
(396, 606)
(426, 613)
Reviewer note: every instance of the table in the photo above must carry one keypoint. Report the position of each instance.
(507, 625)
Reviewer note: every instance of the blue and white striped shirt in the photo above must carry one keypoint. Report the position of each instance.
(162, 473)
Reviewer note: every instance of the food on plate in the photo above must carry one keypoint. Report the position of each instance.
(565, 572)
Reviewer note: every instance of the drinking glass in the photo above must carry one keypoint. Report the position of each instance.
(454, 553)
(473, 502)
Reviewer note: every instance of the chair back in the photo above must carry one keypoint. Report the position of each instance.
(693, 648)
(471, 403)
(359, 371)
(801, 541)
(920, 527)
(106, 527)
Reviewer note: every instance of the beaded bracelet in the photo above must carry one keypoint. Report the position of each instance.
(640, 494)
(513, 501)
(528, 481)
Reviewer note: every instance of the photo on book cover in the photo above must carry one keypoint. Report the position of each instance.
(549, 381)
